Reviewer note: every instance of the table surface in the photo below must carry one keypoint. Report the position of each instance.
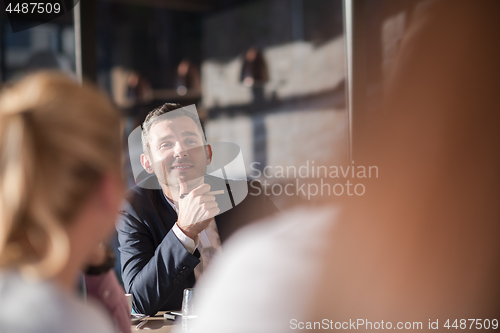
(158, 324)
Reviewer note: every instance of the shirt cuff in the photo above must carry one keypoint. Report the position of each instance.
(188, 243)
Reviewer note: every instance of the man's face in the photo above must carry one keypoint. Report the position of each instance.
(177, 150)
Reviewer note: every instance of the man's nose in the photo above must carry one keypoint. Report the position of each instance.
(179, 150)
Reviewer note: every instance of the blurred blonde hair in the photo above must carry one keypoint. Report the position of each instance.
(57, 139)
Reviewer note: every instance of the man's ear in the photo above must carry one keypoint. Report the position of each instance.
(146, 164)
(208, 150)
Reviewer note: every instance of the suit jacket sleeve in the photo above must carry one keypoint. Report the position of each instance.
(153, 266)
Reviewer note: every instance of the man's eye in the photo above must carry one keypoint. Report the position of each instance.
(165, 145)
(190, 141)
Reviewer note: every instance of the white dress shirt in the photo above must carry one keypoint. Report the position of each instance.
(207, 242)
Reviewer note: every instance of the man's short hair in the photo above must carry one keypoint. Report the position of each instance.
(164, 112)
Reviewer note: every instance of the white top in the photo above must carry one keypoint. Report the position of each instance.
(266, 275)
(43, 307)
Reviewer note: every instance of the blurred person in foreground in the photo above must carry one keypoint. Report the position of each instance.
(101, 284)
(170, 232)
(60, 189)
(423, 244)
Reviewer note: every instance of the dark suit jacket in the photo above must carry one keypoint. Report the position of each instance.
(156, 267)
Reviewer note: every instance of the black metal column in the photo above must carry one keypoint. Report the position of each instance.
(356, 47)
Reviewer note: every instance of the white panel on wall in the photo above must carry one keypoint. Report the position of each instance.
(318, 135)
(301, 68)
(236, 130)
(221, 84)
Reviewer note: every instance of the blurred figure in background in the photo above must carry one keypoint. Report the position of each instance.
(60, 188)
(423, 243)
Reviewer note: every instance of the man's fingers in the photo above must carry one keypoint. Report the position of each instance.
(210, 205)
(216, 192)
(210, 210)
(209, 214)
(200, 190)
(205, 198)
(182, 187)
(213, 211)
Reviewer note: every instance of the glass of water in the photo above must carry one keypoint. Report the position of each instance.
(188, 310)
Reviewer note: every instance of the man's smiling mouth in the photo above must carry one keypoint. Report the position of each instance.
(181, 167)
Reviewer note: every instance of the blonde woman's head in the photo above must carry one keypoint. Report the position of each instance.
(59, 142)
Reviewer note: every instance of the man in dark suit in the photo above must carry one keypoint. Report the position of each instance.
(168, 228)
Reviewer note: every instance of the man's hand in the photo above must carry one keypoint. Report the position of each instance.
(196, 209)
